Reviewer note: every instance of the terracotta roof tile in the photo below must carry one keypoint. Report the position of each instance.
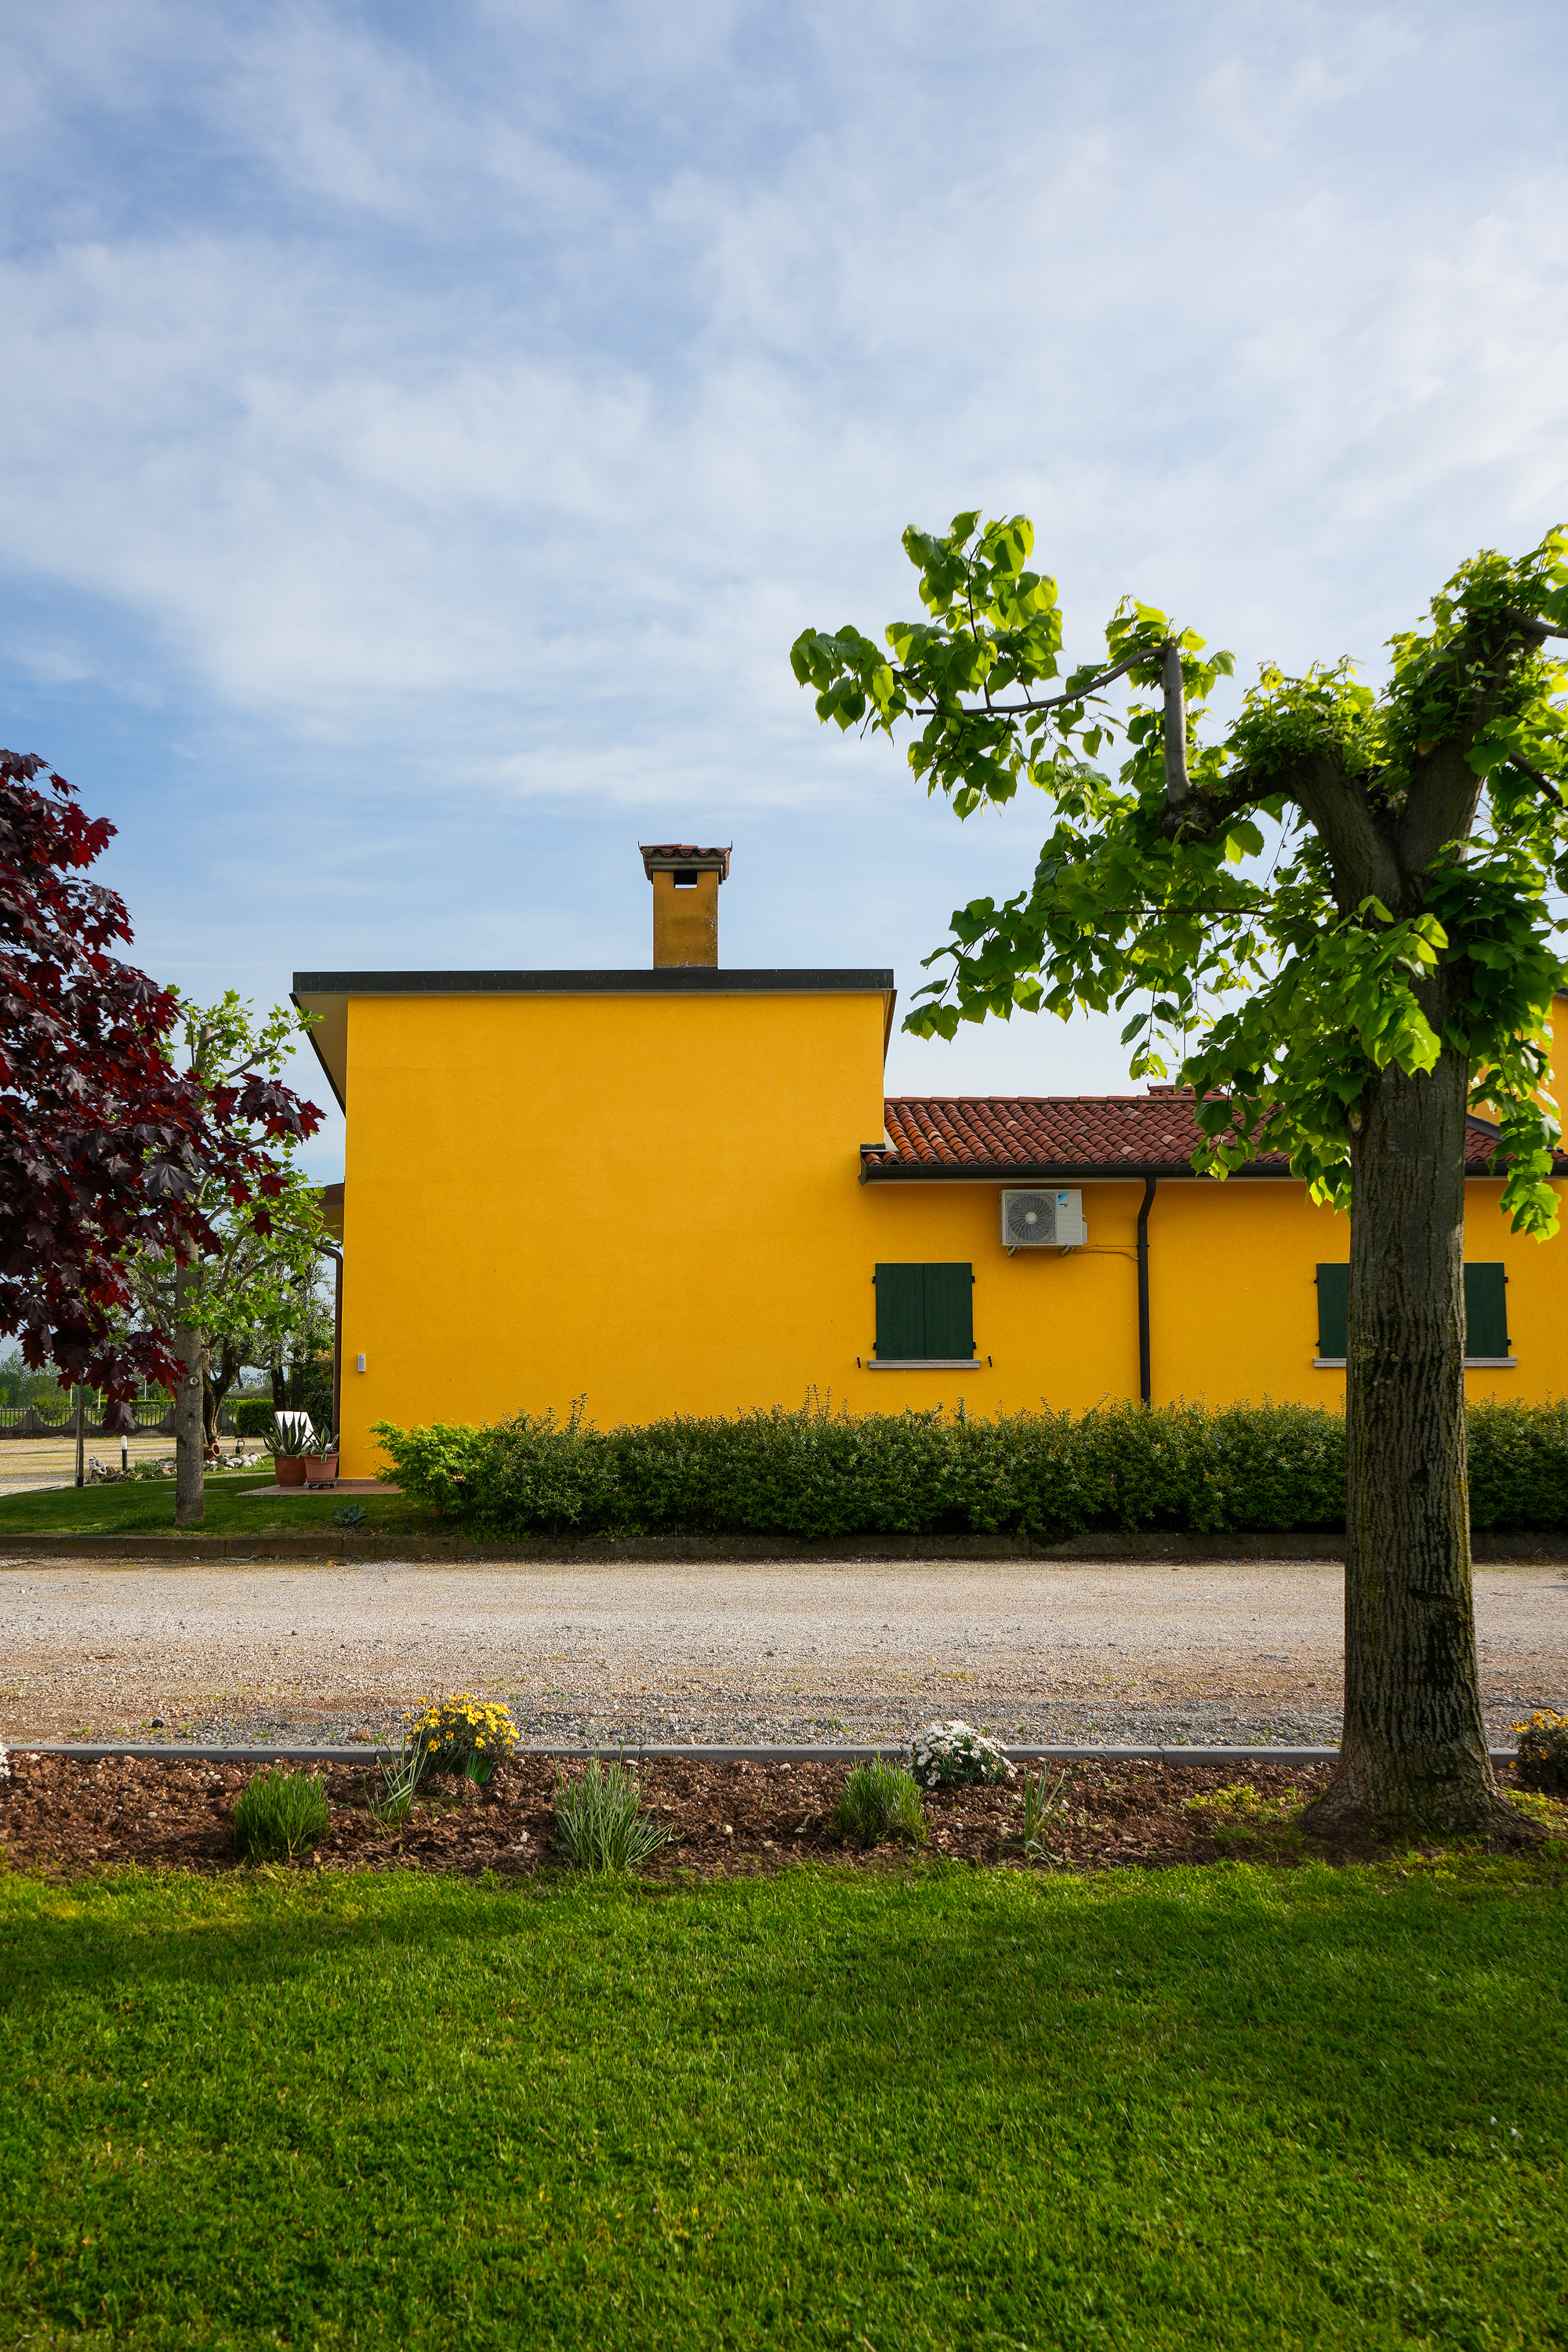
(1068, 1133)
(656, 854)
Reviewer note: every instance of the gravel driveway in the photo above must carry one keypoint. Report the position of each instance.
(1038, 1651)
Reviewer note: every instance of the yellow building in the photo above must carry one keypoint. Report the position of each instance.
(681, 1189)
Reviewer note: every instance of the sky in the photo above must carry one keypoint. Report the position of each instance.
(423, 432)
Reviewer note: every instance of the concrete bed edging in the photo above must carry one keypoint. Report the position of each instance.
(328, 1549)
(101, 1751)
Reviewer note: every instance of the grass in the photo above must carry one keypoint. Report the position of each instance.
(880, 1805)
(1216, 2108)
(146, 1506)
(278, 1815)
(600, 1826)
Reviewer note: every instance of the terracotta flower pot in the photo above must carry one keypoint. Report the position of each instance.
(290, 1469)
(320, 1469)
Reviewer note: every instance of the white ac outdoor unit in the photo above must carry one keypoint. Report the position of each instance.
(1042, 1221)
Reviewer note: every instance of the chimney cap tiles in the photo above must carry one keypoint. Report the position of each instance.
(666, 856)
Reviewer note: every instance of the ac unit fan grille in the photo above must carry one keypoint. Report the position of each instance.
(1031, 1217)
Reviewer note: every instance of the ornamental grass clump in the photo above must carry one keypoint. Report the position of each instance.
(390, 1805)
(600, 1826)
(1042, 1797)
(280, 1814)
(880, 1805)
(461, 1734)
(956, 1756)
(1542, 1760)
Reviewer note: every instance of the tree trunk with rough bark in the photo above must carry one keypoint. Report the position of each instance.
(220, 1377)
(1412, 1756)
(190, 1432)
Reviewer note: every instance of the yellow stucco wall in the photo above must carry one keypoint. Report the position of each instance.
(653, 1201)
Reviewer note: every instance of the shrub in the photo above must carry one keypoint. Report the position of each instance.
(278, 1815)
(252, 1417)
(1518, 1464)
(600, 1826)
(955, 1755)
(880, 1805)
(822, 1471)
(1542, 1760)
(461, 1734)
(433, 1465)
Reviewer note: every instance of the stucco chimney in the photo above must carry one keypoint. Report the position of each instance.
(685, 899)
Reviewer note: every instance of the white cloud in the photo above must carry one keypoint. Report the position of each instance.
(470, 411)
(337, 479)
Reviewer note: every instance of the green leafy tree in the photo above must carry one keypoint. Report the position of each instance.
(1346, 1002)
(252, 1292)
(258, 1298)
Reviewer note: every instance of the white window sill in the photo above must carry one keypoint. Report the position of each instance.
(926, 1363)
(1472, 1363)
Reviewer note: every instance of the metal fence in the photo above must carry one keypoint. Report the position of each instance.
(52, 1420)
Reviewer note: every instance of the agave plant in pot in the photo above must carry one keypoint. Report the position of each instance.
(290, 1435)
(321, 1458)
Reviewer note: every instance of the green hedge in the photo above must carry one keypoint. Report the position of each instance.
(252, 1417)
(1266, 1468)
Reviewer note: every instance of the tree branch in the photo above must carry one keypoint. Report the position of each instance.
(1439, 806)
(1544, 782)
(1532, 622)
(1049, 702)
(1363, 860)
(1175, 725)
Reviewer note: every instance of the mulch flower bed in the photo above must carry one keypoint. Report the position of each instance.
(64, 1815)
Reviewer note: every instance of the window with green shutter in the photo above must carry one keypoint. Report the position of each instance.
(1333, 1295)
(925, 1313)
(1485, 1311)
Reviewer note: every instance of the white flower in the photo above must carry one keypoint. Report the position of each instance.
(949, 1754)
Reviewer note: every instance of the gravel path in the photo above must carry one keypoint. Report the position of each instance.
(1038, 1651)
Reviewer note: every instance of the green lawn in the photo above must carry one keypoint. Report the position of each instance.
(1208, 2108)
(146, 1506)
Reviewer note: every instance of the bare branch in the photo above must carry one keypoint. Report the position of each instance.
(1049, 702)
(1532, 622)
(1175, 730)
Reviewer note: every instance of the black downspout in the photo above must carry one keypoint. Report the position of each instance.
(337, 1257)
(1145, 1384)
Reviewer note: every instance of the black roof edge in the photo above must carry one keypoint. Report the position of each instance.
(874, 1170)
(670, 980)
(877, 1171)
(321, 1057)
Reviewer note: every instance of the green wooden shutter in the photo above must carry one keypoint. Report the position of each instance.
(924, 1311)
(1485, 1311)
(1333, 1299)
(950, 1310)
(901, 1312)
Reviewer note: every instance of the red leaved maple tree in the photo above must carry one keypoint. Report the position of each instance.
(105, 1147)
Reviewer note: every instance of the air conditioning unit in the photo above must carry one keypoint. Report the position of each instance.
(1042, 1221)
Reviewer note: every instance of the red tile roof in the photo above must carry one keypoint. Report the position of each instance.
(1066, 1135)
